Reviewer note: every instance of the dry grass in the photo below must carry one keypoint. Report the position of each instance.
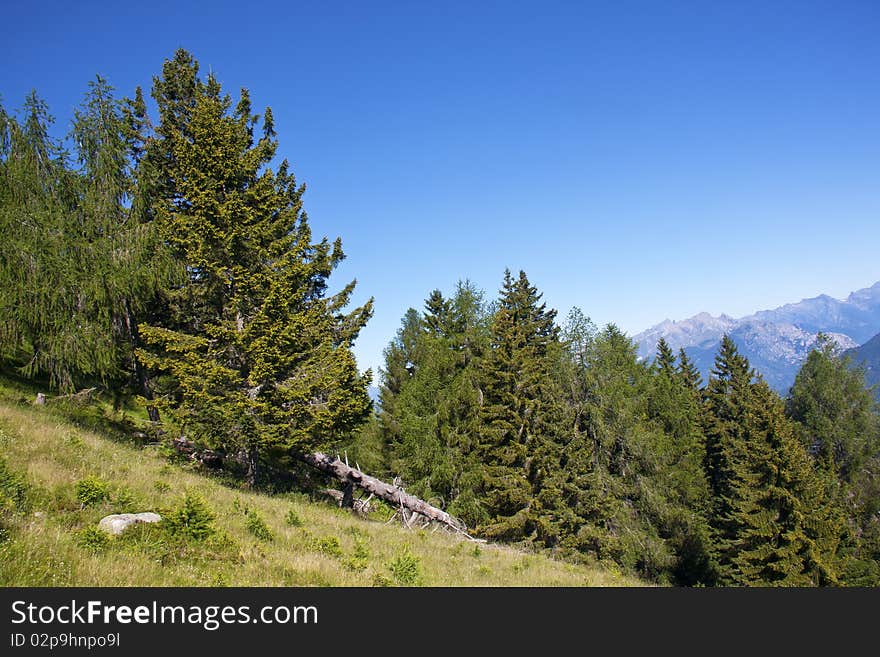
(329, 548)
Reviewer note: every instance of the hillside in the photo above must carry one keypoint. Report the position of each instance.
(308, 543)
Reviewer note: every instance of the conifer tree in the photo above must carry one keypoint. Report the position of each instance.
(430, 409)
(688, 372)
(837, 421)
(678, 451)
(260, 354)
(665, 360)
(520, 412)
(787, 530)
(772, 521)
(80, 264)
(836, 411)
(437, 313)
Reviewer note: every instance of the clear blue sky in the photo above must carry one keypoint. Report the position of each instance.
(641, 160)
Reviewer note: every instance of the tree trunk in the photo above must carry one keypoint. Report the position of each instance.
(394, 495)
(140, 373)
(348, 495)
(252, 458)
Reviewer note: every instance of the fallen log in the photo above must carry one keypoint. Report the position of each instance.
(349, 476)
(392, 494)
(211, 458)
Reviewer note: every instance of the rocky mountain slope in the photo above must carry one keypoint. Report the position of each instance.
(775, 341)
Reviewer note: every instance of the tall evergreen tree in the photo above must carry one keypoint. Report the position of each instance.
(681, 511)
(787, 529)
(837, 421)
(836, 411)
(79, 264)
(772, 521)
(688, 372)
(665, 359)
(432, 406)
(260, 353)
(520, 410)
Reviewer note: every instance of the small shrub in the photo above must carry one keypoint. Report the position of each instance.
(13, 490)
(477, 551)
(222, 545)
(379, 580)
(258, 527)
(292, 518)
(93, 539)
(161, 486)
(406, 569)
(125, 501)
(522, 565)
(192, 518)
(360, 557)
(92, 490)
(330, 546)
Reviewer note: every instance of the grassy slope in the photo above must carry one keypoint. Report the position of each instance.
(45, 546)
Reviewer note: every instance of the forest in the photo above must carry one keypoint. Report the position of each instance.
(166, 259)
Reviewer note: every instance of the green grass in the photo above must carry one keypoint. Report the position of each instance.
(250, 539)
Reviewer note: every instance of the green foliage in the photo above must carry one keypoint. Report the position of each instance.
(430, 399)
(773, 521)
(836, 411)
(360, 558)
(191, 518)
(258, 354)
(258, 527)
(93, 539)
(406, 569)
(517, 445)
(330, 546)
(837, 421)
(292, 518)
(79, 264)
(14, 498)
(13, 490)
(92, 490)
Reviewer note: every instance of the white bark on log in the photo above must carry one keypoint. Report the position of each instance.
(391, 494)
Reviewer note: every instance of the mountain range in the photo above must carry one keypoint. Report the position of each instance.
(868, 356)
(776, 341)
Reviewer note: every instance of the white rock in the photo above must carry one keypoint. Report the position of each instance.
(119, 522)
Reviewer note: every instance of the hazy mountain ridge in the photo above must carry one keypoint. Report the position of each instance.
(775, 341)
(868, 356)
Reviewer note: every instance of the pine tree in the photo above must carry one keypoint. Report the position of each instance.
(429, 409)
(787, 530)
(79, 265)
(520, 411)
(437, 313)
(678, 454)
(401, 358)
(772, 521)
(727, 396)
(665, 360)
(688, 372)
(836, 410)
(260, 354)
(837, 421)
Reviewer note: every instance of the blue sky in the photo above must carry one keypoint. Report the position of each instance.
(641, 160)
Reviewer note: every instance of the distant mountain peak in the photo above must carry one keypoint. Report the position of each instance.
(776, 341)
